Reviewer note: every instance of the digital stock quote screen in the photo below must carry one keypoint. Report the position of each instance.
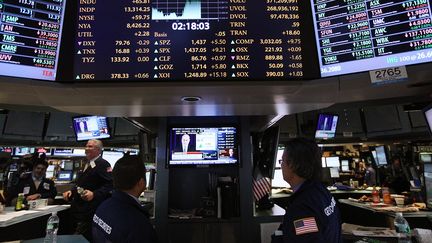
(362, 35)
(30, 33)
(189, 40)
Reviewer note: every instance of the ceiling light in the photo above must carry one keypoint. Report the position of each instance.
(191, 99)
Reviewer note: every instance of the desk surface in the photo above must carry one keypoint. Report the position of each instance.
(10, 216)
(419, 214)
(276, 194)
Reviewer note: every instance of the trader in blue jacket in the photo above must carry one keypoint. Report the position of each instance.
(311, 214)
(34, 185)
(122, 218)
(93, 186)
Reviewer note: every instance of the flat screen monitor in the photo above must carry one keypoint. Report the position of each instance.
(190, 40)
(112, 156)
(425, 158)
(356, 36)
(67, 165)
(199, 146)
(20, 151)
(333, 161)
(49, 174)
(334, 172)
(381, 157)
(62, 152)
(31, 32)
(345, 165)
(428, 183)
(374, 155)
(326, 126)
(6, 150)
(91, 127)
(428, 115)
(278, 180)
(65, 175)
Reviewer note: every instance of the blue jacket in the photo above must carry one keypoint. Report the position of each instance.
(122, 219)
(311, 216)
(98, 180)
(46, 187)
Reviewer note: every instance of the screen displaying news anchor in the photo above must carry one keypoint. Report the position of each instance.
(203, 145)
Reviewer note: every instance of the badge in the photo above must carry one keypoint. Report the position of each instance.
(46, 186)
(92, 164)
(26, 190)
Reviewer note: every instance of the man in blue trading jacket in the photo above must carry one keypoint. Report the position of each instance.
(34, 185)
(93, 186)
(311, 214)
(122, 218)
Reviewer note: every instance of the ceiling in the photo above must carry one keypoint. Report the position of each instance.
(271, 100)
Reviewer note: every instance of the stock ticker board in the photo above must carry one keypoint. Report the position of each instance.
(188, 40)
(359, 35)
(30, 33)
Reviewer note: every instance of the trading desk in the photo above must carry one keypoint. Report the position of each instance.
(364, 214)
(27, 224)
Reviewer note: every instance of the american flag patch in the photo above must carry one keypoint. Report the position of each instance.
(306, 225)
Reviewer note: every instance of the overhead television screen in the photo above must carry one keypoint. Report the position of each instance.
(30, 38)
(192, 40)
(355, 36)
(326, 126)
(91, 127)
(381, 157)
(203, 146)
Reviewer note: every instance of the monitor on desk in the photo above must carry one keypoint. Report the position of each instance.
(278, 180)
(65, 176)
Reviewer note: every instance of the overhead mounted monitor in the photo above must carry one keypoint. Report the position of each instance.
(326, 126)
(201, 40)
(381, 157)
(31, 33)
(20, 151)
(198, 146)
(355, 36)
(91, 127)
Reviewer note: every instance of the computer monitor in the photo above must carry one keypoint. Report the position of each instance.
(323, 162)
(67, 165)
(64, 175)
(334, 172)
(428, 116)
(326, 126)
(425, 157)
(20, 151)
(278, 180)
(345, 165)
(333, 161)
(381, 157)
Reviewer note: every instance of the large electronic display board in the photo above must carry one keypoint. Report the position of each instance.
(189, 40)
(362, 35)
(30, 33)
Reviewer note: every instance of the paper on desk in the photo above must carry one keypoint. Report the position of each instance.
(359, 230)
(11, 215)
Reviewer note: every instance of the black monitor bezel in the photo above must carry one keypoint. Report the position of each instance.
(110, 131)
(168, 144)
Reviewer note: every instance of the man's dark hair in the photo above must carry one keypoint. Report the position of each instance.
(304, 157)
(128, 171)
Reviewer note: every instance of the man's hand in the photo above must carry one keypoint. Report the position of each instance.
(87, 195)
(67, 195)
(33, 197)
